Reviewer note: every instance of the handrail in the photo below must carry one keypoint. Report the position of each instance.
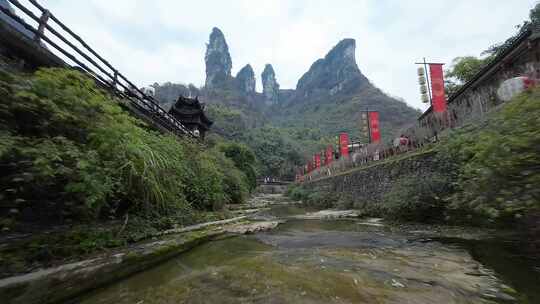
(135, 97)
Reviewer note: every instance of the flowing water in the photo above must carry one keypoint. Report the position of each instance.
(337, 261)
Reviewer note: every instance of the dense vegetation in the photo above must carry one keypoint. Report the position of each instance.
(498, 164)
(69, 152)
(79, 174)
(487, 174)
(327, 116)
(290, 134)
(287, 134)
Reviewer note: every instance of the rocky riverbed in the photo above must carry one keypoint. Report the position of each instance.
(334, 257)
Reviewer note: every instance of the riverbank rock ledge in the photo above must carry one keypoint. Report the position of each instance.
(55, 285)
(250, 228)
(329, 215)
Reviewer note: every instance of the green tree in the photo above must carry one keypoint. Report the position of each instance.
(244, 159)
(277, 152)
(68, 146)
(463, 70)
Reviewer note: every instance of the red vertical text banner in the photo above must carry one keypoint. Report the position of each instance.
(437, 88)
(329, 155)
(309, 167)
(344, 144)
(317, 160)
(374, 127)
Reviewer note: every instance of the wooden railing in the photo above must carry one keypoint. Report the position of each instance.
(106, 75)
(273, 182)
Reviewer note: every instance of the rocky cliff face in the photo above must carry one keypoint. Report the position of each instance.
(328, 98)
(336, 73)
(270, 85)
(218, 60)
(246, 80)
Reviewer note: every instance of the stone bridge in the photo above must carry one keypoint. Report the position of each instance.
(272, 187)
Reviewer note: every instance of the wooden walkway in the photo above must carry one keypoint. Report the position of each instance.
(53, 44)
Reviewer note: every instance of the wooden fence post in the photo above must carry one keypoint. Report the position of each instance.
(42, 22)
(115, 80)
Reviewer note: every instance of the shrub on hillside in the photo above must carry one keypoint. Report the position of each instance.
(297, 192)
(243, 158)
(416, 198)
(67, 150)
(498, 165)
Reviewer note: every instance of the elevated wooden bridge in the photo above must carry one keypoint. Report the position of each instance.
(53, 44)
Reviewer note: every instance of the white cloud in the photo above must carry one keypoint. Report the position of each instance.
(164, 40)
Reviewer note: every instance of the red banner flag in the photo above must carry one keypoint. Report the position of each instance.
(344, 144)
(374, 127)
(329, 155)
(437, 88)
(317, 160)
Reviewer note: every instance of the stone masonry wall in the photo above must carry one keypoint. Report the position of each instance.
(368, 185)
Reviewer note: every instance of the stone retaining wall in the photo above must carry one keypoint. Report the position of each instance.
(368, 185)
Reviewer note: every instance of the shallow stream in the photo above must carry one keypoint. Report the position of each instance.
(338, 261)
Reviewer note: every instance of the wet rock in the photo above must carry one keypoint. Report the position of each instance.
(251, 227)
(397, 284)
(377, 222)
(201, 226)
(250, 212)
(329, 215)
(58, 284)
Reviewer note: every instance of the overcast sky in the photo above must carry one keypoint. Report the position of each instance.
(164, 40)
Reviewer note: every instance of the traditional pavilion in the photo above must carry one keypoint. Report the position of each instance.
(190, 112)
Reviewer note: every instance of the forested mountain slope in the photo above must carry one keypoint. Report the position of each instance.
(284, 127)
